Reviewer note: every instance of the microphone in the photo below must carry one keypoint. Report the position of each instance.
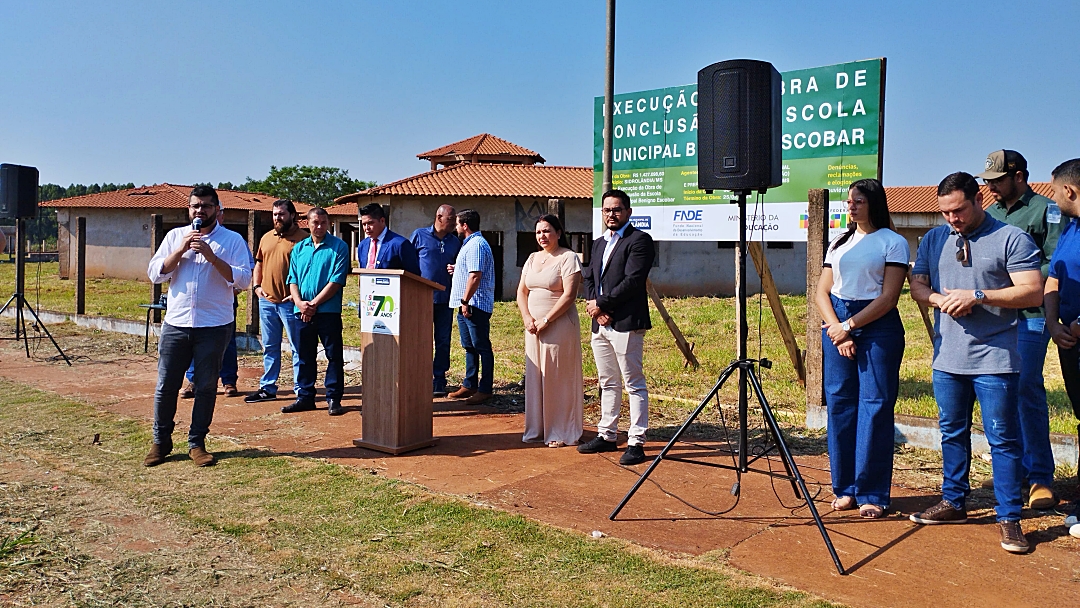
(196, 224)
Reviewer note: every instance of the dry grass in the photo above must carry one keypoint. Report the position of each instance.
(265, 529)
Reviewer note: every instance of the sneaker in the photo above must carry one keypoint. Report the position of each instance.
(1072, 521)
(334, 408)
(634, 454)
(300, 405)
(259, 395)
(1012, 537)
(941, 513)
(201, 457)
(230, 390)
(596, 445)
(439, 390)
(189, 391)
(158, 453)
(1041, 497)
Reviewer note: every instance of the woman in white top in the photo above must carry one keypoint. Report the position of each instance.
(863, 345)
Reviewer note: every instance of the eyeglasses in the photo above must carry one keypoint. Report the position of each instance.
(963, 250)
(612, 210)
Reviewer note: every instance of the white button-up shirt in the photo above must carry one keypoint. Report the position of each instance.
(612, 237)
(198, 295)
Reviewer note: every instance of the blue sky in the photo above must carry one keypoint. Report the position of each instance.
(217, 91)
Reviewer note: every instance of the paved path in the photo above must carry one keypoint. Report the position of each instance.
(481, 458)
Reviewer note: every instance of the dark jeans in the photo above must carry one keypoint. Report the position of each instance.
(324, 327)
(1070, 372)
(229, 366)
(443, 319)
(1038, 463)
(479, 358)
(861, 396)
(204, 347)
(997, 394)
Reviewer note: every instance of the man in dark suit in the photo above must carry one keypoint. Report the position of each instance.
(618, 303)
(384, 248)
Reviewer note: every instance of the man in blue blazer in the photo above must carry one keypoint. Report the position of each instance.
(391, 249)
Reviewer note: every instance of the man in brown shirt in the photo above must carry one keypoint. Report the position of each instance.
(275, 302)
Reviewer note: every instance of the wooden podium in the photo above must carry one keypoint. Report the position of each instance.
(397, 344)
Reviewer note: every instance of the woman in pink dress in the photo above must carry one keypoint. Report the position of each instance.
(546, 297)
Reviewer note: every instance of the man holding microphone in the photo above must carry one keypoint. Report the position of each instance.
(203, 264)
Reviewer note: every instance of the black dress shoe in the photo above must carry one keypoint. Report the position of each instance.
(634, 454)
(335, 408)
(300, 405)
(598, 444)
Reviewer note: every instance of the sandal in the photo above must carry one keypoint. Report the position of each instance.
(556, 444)
(869, 511)
(843, 503)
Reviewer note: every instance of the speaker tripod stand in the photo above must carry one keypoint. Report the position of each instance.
(18, 300)
(747, 377)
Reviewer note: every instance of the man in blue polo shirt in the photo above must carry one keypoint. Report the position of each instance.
(438, 246)
(318, 269)
(472, 293)
(976, 271)
(1062, 296)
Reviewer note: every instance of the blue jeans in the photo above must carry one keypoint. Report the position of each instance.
(861, 397)
(324, 327)
(1038, 462)
(955, 395)
(230, 368)
(476, 340)
(273, 319)
(443, 320)
(202, 346)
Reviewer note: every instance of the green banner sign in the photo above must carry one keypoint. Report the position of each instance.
(832, 121)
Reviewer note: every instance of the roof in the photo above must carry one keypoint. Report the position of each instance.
(350, 209)
(167, 196)
(483, 179)
(484, 144)
(923, 199)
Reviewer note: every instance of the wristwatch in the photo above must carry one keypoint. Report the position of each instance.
(464, 303)
(979, 296)
(846, 326)
(545, 321)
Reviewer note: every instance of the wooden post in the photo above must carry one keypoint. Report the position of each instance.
(80, 268)
(557, 208)
(768, 285)
(923, 310)
(680, 341)
(817, 242)
(157, 236)
(253, 300)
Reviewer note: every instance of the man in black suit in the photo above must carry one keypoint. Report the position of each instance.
(618, 303)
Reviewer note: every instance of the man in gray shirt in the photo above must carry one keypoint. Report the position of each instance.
(976, 272)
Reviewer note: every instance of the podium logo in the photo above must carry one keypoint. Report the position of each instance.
(379, 306)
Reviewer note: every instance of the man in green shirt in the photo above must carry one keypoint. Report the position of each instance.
(1017, 204)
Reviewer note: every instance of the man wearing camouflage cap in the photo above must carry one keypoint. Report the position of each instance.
(1017, 204)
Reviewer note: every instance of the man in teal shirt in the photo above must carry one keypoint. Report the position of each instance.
(318, 269)
(1017, 204)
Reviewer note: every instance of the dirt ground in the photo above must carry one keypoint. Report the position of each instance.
(766, 530)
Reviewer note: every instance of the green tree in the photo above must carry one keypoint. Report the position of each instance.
(305, 184)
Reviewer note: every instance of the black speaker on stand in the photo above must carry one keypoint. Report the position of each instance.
(739, 131)
(18, 201)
